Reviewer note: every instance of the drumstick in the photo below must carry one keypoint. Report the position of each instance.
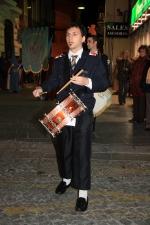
(42, 93)
(77, 74)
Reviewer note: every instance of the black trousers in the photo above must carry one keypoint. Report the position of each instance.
(123, 89)
(139, 108)
(147, 110)
(75, 144)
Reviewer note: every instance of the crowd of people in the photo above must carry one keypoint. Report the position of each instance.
(130, 77)
(133, 77)
(13, 77)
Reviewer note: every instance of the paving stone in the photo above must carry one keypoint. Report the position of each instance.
(120, 168)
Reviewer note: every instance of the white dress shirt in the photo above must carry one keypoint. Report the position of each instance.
(89, 85)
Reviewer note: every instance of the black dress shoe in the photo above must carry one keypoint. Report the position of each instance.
(81, 204)
(61, 188)
(147, 129)
(132, 120)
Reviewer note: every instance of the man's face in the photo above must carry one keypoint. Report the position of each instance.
(74, 39)
(91, 44)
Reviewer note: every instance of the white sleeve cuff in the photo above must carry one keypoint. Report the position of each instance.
(89, 85)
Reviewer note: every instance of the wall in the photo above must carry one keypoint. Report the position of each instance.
(61, 22)
(114, 46)
(140, 37)
(65, 12)
(8, 10)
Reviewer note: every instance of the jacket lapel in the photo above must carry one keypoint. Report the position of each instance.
(66, 70)
(81, 62)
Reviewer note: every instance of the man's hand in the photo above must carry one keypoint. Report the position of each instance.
(37, 92)
(79, 80)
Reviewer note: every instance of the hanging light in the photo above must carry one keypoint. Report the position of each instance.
(81, 5)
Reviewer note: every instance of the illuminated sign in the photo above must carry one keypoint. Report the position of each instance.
(114, 29)
(138, 9)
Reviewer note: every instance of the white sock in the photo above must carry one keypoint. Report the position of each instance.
(67, 181)
(83, 194)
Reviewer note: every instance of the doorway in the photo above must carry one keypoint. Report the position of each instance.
(8, 37)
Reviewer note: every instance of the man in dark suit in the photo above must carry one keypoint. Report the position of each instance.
(75, 140)
(92, 45)
(124, 69)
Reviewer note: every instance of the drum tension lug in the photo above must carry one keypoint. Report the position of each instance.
(46, 115)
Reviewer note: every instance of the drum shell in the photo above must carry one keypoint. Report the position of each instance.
(63, 113)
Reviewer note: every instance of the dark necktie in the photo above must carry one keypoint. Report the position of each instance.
(73, 62)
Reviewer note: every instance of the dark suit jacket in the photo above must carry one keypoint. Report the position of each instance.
(145, 87)
(93, 69)
(104, 59)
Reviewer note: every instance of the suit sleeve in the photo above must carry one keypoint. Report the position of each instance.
(98, 76)
(53, 80)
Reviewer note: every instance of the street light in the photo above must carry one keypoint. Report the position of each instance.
(81, 5)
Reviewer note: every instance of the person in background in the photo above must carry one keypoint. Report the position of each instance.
(51, 95)
(20, 70)
(75, 140)
(3, 68)
(92, 45)
(105, 61)
(14, 75)
(92, 42)
(146, 89)
(115, 77)
(124, 68)
(135, 85)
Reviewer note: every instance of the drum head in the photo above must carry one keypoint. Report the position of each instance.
(103, 100)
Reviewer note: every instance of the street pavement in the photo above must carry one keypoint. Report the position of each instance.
(29, 164)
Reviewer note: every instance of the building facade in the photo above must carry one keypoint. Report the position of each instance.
(9, 11)
(15, 16)
(139, 25)
(65, 12)
(116, 38)
(119, 29)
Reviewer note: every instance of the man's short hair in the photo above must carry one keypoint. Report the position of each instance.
(80, 26)
(94, 37)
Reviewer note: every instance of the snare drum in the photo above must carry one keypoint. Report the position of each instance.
(64, 112)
